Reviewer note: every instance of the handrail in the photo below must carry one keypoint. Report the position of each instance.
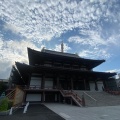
(14, 108)
(11, 94)
(112, 91)
(73, 95)
(91, 97)
(25, 108)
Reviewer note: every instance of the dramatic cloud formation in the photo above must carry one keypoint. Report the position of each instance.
(89, 27)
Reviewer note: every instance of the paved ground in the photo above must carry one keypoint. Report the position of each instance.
(35, 112)
(91, 113)
(68, 112)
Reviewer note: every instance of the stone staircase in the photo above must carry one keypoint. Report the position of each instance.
(99, 98)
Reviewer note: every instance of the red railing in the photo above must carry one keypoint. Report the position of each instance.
(11, 94)
(112, 91)
(73, 95)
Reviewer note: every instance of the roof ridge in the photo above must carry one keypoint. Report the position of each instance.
(60, 53)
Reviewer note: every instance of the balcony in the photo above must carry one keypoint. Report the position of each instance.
(64, 67)
(36, 88)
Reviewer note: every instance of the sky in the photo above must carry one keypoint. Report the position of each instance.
(90, 28)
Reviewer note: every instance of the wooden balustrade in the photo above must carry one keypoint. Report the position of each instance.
(10, 95)
(73, 95)
(113, 92)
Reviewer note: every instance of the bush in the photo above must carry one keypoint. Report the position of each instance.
(4, 104)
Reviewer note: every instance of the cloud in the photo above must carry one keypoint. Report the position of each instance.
(66, 47)
(95, 54)
(114, 70)
(16, 50)
(42, 21)
(94, 38)
(11, 51)
(39, 20)
(5, 68)
(12, 28)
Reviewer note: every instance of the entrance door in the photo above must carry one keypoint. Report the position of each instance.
(49, 97)
(48, 83)
(92, 86)
(35, 81)
(100, 85)
(33, 97)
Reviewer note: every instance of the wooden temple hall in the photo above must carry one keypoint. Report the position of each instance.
(53, 76)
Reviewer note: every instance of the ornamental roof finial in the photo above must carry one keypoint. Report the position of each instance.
(62, 47)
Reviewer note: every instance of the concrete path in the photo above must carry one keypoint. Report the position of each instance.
(91, 113)
(35, 112)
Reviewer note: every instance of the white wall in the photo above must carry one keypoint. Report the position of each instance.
(35, 81)
(92, 86)
(100, 85)
(48, 82)
(33, 97)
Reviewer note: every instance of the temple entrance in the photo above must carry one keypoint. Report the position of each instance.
(35, 81)
(92, 86)
(65, 84)
(50, 97)
(100, 85)
(33, 97)
(48, 82)
(79, 85)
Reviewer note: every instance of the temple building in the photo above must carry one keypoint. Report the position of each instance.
(52, 76)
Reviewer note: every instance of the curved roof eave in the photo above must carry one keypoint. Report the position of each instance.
(34, 55)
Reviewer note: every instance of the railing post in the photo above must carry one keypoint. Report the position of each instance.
(83, 101)
(25, 109)
(10, 113)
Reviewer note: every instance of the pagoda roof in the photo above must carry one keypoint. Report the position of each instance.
(36, 57)
(26, 70)
(60, 53)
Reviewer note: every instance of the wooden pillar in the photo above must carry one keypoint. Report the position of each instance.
(96, 86)
(43, 97)
(58, 83)
(54, 87)
(83, 101)
(24, 97)
(43, 82)
(104, 85)
(30, 75)
(71, 83)
(71, 101)
(85, 83)
(59, 98)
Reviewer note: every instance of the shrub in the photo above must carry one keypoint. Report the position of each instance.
(4, 104)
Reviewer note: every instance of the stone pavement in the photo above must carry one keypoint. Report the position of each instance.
(35, 112)
(88, 113)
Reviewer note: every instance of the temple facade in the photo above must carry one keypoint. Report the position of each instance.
(49, 73)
